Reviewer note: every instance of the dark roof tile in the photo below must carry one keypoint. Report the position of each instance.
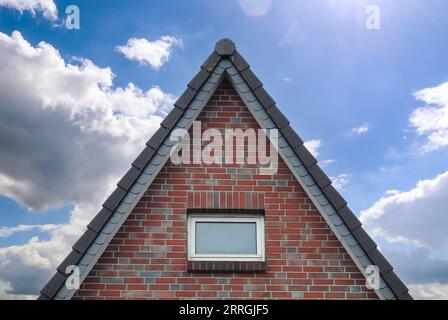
(211, 62)
(100, 220)
(264, 98)
(158, 137)
(349, 218)
(85, 241)
(397, 286)
(305, 156)
(198, 80)
(251, 79)
(364, 240)
(239, 62)
(143, 158)
(278, 117)
(72, 259)
(334, 197)
(319, 176)
(378, 259)
(53, 285)
(114, 199)
(129, 178)
(171, 119)
(42, 297)
(291, 136)
(185, 99)
(225, 47)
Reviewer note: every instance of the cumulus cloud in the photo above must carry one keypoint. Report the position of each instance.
(429, 291)
(47, 7)
(66, 136)
(313, 146)
(431, 120)
(415, 219)
(340, 181)
(409, 215)
(150, 53)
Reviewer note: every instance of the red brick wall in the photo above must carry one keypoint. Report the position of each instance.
(148, 256)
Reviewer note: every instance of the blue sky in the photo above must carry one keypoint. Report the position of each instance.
(350, 89)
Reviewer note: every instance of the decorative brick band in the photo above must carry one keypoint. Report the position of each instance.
(226, 266)
(223, 199)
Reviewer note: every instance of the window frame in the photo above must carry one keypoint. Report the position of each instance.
(191, 237)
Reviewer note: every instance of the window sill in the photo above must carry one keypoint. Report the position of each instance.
(226, 266)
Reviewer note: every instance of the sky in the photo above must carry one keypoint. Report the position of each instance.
(367, 90)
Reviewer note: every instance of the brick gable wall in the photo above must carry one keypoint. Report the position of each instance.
(147, 259)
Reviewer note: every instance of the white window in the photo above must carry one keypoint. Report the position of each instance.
(225, 238)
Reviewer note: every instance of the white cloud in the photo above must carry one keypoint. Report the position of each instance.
(151, 53)
(360, 130)
(425, 276)
(326, 163)
(66, 136)
(8, 231)
(429, 291)
(431, 120)
(340, 181)
(47, 7)
(313, 146)
(416, 217)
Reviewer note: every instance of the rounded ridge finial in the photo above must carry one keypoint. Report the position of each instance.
(225, 47)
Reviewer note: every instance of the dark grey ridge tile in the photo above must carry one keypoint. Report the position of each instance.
(398, 287)
(349, 218)
(100, 220)
(185, 99)
(278, 117)
(114, 199)
(171, 119)
(364, 240)
(379, 260)
(334, 197)
(85, 241)
(251, 79)
(53, 285)
(72, 259)
(129, 178)
(198, 80)
(143, 158)
(157, 138)
(264, 97)
(319, 176)
(211, 62)
(305, 156)
(239, 61)
(291, 136)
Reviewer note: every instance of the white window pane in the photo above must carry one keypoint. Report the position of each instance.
(226, 238)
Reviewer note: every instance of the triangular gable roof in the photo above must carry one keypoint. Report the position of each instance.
(225, 61)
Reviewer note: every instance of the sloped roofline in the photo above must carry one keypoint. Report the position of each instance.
(132, 180)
